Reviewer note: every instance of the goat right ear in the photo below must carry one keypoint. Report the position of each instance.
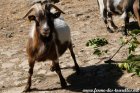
(31, 18)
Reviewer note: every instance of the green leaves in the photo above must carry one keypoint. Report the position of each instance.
(132, 47)
(133, 42)
(135, 32)
(132, 64)
(96, 43)
(97, 52)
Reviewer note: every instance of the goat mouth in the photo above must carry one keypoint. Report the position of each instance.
(46, 34)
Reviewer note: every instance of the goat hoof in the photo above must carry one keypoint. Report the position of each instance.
(77, 70)
(27, 89)
(109, 30)
(124, 33)
(52, 68)
(63, 84)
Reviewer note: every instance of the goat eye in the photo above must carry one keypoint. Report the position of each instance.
(56, 15)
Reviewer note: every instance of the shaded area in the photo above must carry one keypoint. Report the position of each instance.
(133, 25)
(102, 77)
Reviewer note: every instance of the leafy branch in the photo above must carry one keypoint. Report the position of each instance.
(96, 43)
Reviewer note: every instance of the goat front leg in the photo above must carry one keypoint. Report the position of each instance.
(105, 18)
(29, 82)
(126, 20)
(110, 19)
(55, 65)
(74, 59)
(58, 71)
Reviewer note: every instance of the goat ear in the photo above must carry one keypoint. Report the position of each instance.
(31, 18)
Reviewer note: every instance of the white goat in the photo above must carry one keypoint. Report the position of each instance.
(115, 7)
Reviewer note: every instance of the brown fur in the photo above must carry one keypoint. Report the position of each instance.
(42, 48)
(136, 9)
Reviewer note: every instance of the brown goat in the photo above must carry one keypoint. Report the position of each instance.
(49, 39)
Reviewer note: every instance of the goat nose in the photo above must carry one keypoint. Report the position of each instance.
(46, 29)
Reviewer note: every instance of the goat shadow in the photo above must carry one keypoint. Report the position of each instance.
(133, 25)
(104, 76)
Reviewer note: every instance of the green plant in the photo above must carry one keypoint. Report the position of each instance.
(132, 63)
(96, 43)
(97, 51)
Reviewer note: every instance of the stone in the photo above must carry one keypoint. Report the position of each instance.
(9, 53)
(7, 65)
(15, 60)
(41, 72)
(51, 73)
(128, 75)
(24, 64)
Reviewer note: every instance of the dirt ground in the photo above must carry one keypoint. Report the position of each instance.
(85, 23)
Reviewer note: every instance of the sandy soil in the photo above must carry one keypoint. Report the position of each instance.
(85, 23)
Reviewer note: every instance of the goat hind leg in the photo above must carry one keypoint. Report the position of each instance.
(74, 59)
(126, 20)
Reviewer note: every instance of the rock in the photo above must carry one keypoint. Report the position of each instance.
(16, 73)
(24, 64)
(137, 83)
(9, 53)
(20, 30)
(37, 66)
(13, 90)
(9, 35)
(82, 50)
(17, 83)
(15, 60)
(51, 73)
(1, 83)
(41, 72)
(77, 15)
(128, 75)
(7, 65)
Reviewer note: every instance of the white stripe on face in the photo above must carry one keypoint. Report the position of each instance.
(31, 34)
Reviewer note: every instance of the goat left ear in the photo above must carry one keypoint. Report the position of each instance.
(31, 18)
